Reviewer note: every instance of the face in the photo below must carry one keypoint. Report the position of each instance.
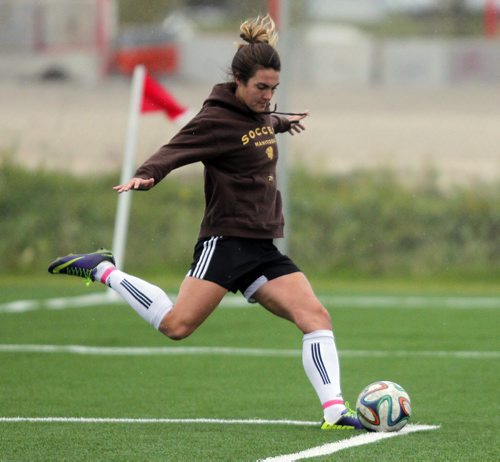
(258, 91)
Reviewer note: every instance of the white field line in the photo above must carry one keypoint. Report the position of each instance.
(412, 301)
(20, 306)
(234, 301)
(120, 420)
(229, 351)
(365, 438)
(326, 449)
(360, 440)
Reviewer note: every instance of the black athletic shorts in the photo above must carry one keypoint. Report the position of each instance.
(239, 264)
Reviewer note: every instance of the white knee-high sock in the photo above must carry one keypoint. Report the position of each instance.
(148, 300)
(321, 363)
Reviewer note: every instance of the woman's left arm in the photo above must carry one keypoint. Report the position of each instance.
(291, 123)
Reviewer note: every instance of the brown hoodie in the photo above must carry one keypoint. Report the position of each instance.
(238, 150)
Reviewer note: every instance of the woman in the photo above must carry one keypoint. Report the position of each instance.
(233, 135)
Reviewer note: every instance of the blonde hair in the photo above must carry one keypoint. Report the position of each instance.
(259, 30)
(258, 52)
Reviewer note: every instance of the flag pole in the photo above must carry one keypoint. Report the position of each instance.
(124, 199)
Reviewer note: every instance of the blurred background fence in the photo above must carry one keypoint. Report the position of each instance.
(421, 42)
(401, 155)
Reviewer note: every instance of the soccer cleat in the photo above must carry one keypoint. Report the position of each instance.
(82, 265)
(348, 421)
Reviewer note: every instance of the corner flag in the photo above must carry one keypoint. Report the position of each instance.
(147, 95)
(157, 98)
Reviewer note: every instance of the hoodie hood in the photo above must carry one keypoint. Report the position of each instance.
(224, 95)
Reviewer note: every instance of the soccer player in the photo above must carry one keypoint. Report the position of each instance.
(233, 135)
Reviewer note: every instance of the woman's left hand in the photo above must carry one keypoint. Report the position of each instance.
(296, 125)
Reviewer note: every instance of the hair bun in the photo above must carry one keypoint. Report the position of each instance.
(259, 30)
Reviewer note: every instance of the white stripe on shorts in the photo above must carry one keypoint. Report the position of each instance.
(205, 257)
(254, 287)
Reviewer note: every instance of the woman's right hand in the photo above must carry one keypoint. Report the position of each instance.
(135, 183)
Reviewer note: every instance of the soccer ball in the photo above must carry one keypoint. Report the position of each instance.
(383, 407)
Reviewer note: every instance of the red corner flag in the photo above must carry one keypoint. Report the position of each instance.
(490, 18)
(156, 98)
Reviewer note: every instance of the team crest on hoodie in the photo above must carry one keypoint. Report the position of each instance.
(270, 152)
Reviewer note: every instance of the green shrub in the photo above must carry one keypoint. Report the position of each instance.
(45, 212)
(371, 223)
(366, 223)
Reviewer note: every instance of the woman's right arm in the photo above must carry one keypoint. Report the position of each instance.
(135, 183)
(194, 143)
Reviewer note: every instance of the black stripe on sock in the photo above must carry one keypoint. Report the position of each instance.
(137, 294)
(318, 362)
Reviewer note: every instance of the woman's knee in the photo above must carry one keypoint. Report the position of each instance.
(313, 318)
(175, 330)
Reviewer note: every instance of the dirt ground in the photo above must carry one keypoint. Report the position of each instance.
(454, 131)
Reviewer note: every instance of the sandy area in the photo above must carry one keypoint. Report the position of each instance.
(455, 131)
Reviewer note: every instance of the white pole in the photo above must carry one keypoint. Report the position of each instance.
(282, 100)
(124, 199)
